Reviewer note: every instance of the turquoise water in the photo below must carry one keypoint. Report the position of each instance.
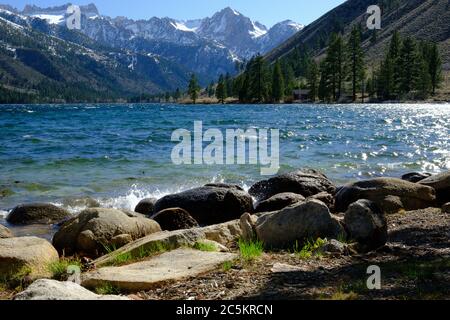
(119, 154)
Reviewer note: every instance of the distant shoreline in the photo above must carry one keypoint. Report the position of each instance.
(234, 103)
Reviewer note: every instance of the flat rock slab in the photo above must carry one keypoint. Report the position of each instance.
(171, 266)
(45, 289)
(285, 268)
(225, 234)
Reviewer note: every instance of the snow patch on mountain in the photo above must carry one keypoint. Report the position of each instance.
(51, 19)
(182, 27)
(257, 31)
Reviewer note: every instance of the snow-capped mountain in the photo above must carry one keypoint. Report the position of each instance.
(208, 47)
(227, 29)
(282, 30)
(234, 30)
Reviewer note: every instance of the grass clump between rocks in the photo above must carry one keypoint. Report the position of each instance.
(227, 266)
(15, 281)
(205, 246)
(310, 248)
(107, 289)
(123, 258)
(250, 250)
(60, 269)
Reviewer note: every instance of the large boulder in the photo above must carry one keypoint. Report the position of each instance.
(225, 186)
(302, 221)
(366, 224)
(440, 183)
(415, 176)
(37, 213)
(52, 290)
(326, 198)
(175, 219)
(278, 202)
(390, 194)
(5, 232)
(446, 208)
(85, 202)
(304, 182)
(209, 205)
(146, 206)
(26, 256)
(95, 231)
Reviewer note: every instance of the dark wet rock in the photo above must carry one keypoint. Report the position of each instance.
(415, 176)
(326, 198)
(225, 185)
(446, 208)
(37, 213)
(146, 206)
(209, 205)
(366, 224)
(440, 183)
(175, 219)
(304, 182)
(279, 201)
(96, 230)
(391, 195)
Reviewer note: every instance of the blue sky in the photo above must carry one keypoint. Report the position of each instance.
(265, 11)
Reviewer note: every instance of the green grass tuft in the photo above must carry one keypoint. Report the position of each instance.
(107, 289)
(59, 268)
(227, 265)
(205, 246)
(123, 258)
(310, 249)
(250, 250)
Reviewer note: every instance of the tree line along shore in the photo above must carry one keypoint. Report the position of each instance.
(410, 71)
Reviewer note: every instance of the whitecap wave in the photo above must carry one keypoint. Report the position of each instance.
(3, 214)
(130, 200)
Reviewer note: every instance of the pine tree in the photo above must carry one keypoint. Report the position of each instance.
(424, 84)
(289, 78)
(326, 87)
(258, 80)
(356, 60)
(335, 65)
(394, 64)
(410, 65)
(221, 90)
(177, 94)
(193, 88)
(211, 90)
(229, 85)
(313, 80)
(435, 67)
(277, 83)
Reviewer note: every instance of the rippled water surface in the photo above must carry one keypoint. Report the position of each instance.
(120, 154)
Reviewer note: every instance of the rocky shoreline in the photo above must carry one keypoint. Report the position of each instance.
(296, 223)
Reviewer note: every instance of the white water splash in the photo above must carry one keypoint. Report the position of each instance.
(130, 200)
(3, 214)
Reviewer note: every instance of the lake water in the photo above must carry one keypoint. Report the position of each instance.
(119, 154)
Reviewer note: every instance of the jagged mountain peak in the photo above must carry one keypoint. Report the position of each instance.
(88, 10)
